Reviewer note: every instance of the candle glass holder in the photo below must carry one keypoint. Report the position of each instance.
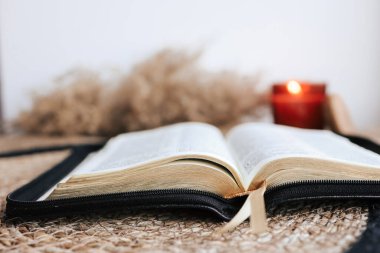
(299, 104)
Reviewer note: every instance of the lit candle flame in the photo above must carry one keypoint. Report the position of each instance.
(294, 87)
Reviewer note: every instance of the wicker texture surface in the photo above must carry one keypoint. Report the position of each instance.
(301, 227)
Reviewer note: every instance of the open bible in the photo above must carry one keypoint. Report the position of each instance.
(198, 156)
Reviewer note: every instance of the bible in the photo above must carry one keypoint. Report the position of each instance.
(250, 157)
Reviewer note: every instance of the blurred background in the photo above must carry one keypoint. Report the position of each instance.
(333, 41)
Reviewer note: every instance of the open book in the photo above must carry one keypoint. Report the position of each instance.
(198, 156)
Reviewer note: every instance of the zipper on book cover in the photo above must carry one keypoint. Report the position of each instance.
(292, 191)
(182, 197)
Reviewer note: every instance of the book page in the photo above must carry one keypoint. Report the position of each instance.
(183, 140)
(254, 144)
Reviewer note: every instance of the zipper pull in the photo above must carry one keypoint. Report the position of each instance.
(253, 207)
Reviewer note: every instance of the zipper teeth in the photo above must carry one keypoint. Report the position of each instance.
(302, 193)
(120, 194)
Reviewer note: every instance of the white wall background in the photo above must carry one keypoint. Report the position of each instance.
(337, 41)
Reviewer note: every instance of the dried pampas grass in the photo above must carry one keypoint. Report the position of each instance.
(167, 88)
(74, 107)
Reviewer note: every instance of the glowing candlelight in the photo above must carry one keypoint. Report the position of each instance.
(294, 87)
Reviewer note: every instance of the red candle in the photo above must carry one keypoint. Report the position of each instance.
(299, 104)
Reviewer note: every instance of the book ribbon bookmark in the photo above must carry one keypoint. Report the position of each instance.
(253, 207)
